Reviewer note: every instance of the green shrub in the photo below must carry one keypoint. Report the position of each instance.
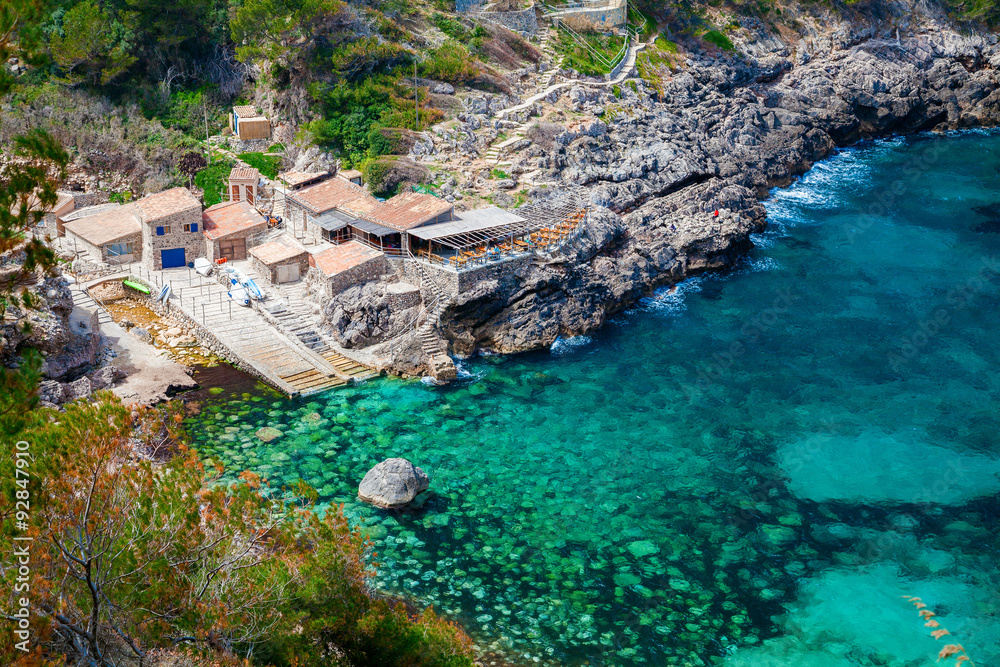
(214, 179)
(375, 170)
(665, 44)
(719, 39)
(267, 165)
(358, 118)
(451, 62)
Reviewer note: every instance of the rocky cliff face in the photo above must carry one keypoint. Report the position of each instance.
(46, 327)
(659, 159)
(718, 136)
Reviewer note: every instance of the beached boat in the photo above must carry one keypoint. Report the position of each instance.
(239, 295)
(202, 267)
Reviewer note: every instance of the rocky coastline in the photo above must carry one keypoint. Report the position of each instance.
(677, 172)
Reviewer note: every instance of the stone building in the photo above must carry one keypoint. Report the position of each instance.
(247, 124)
(325, 210)
(229, 229)
(283, 260)
(112, 236)
(402, 213)
(243, 183)
(171, 222)
(351, 176)
(337, 268)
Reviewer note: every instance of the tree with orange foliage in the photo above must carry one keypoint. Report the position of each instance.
(136, 549)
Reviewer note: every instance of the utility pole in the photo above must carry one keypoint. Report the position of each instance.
(416, 99)
(207, 142)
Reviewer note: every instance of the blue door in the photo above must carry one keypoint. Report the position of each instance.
(172, 258)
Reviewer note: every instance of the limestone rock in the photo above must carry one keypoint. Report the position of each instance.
(393, 484)
(142, 334)
(79, 389)
(268, 433)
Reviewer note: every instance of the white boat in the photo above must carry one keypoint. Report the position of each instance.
(239, 295)
(202, 267)
(164, 295)
(250, 285)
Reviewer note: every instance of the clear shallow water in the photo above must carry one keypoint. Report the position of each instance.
(749, 470)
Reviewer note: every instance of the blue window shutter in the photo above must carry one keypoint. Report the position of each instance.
(159, 231)
(194, 227)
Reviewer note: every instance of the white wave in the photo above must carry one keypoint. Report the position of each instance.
(464, 373)
(671, 300)
(563, 346)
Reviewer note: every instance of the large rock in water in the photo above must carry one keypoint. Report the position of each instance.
(392, 484)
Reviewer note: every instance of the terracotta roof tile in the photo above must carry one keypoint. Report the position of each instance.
(349, 173)
(296, 178)
(231, 217)
(330, 194)
(167, 203)
(241, 173)
(247, 111)
(409, 210)
(345, 256)
(280, 250)
(107, 226)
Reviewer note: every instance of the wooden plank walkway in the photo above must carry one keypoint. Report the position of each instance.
(285, 363)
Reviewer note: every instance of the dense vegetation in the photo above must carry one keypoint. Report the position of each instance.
(136, 555)
(135, 549)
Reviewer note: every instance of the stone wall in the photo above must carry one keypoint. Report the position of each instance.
(96, 253)
(192, 242)
(606, 17)
(270, 273)
(455, 283)
(326, 287)
(212, 247)
(523, 22)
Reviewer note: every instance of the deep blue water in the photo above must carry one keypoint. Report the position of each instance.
(750, 469)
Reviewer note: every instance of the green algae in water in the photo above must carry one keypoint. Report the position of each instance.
(708, 478)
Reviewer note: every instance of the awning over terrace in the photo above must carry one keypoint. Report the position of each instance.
(372, 228)
(473, 228)
(333, 220)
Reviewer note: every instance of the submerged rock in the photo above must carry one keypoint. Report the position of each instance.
(393, 484)
(268, 433)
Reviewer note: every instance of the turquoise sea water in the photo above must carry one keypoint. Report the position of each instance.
(750, 469)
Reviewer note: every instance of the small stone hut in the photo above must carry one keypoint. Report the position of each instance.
(337, 268)
(243, 184)
(247, 124)
(229, 229)
(283, 260)
(112, 236)
(351, 176)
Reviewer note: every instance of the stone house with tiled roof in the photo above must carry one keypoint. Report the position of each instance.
(325, 209)
(171, 229)
(283, 260)
(411, 209)
(229, 229)
(247, 124)
(335, 269)
(243, 184)
(112, 236)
